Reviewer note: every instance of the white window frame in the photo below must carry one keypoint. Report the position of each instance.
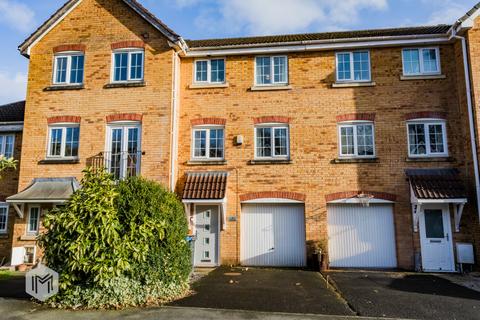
(426, 123)
(207, 145)
(6, 206)
(25, 254)
(273, 126)
(421, 62)
(272, 71)
(4, 144)
(64, 127)
(354, 124)
(352, 69)
(69, 56)
(209, 71)
(130, 52)
(29, 231)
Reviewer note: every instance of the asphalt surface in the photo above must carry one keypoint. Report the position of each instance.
(411, 296)
(268, 290)
(13, 287)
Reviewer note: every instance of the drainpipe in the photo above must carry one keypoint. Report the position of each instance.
(174, 121)
(473, 140)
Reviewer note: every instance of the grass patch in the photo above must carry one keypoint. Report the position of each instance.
(7, 274)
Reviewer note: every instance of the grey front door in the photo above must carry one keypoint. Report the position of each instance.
(207, 231)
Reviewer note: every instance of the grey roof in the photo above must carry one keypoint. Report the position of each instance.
(45, 190)
(391, 32)
(12, 112)
(470, 13)
(436, 183)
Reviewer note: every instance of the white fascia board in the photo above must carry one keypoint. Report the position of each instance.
(357, 201)
(429, 201)
(35, 201)
(271, 200)
(11, 128)
(52, 26)
(317, 47)
(469, 23)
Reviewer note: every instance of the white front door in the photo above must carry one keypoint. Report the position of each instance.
(207, 233)
(436, 239)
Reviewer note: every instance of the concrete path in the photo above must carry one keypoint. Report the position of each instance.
(25, 310)
(407, 295)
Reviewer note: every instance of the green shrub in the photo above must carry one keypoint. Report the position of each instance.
(117, 245)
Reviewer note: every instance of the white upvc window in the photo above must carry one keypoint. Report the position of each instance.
(271, 70)
(69, 68)
(427, 138)
(3, 217)
(33, 220)
(353, 66)
(7, 145)
(128, 65)
(209, 71)
(421, 61)
(63, 141)
(208, 143)
(124, 149)
(272, 141)
(357, 139)
(29, 254)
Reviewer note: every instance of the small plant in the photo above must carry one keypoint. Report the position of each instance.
(7, 163)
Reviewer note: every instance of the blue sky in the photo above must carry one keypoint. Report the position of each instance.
(196, 19)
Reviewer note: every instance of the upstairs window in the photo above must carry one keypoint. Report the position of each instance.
(3, 217)
(210, 71)
(357, 140)
(427, 139)
(7, 144)
(272, 141)
(421, 61)
(63, 141)
(353, 66)
(69, 68)
(128, 65)
(208, 143)
(271, 70)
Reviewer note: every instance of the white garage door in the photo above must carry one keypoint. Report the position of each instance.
(361, 237)
(273, 235)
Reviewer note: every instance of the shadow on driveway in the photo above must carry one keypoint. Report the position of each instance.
(401, 295)
(269, 290)
(13, 287)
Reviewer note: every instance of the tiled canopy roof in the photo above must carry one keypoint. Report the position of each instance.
(436, 183)
(12, 112)
(424, 30)
(205, 185)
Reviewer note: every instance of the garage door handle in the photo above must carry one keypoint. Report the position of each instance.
(271, 249)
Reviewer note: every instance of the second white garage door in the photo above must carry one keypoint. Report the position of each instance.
(273, 235)
(361, 237)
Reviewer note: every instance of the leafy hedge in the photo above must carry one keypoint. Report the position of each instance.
(117, 245)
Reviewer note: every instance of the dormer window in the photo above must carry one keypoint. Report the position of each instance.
(128, 65)
(69, 68)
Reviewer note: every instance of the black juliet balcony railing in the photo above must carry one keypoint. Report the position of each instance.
(120, 164)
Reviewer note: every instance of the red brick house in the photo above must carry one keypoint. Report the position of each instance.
(354, 144)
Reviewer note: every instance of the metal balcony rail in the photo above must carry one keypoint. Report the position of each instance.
(120, 164)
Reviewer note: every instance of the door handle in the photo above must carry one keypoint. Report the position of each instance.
(448, 237)
(271, 249)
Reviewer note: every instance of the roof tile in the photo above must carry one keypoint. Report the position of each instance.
(436, 183)
(205, 185)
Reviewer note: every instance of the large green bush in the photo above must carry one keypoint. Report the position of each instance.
(118, 245)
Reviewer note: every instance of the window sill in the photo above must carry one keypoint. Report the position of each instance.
(133, 84)
(430, 159)
(270, 161)
(355, 160)
(208, 85)
(353, 84)
(271, 88)
(59, 87)
(28, 237)
(423, 77)
(59, 161)
(206, 163)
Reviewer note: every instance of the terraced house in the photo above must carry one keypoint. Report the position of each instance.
(356, 145)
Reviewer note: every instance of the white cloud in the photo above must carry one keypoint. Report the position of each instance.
(448, 14)
(16, 15)
(279, 16)
(14, 87)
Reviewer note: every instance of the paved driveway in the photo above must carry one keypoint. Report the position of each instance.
(412, 296)
(271, 290)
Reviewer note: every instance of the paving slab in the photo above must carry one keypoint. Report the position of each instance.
(406, 295)
(268, 290)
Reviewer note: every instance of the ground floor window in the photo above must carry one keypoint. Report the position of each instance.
(3, 218)
(33, 220)
(29, 257)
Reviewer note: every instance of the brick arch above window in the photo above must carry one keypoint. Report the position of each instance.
(128, 44)
(64, 119)
(426, 115)
(124, 117)
(356, 117)
(352, 194)
(271, 119)
(208, 121)
(273, 195)
(69, 47)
